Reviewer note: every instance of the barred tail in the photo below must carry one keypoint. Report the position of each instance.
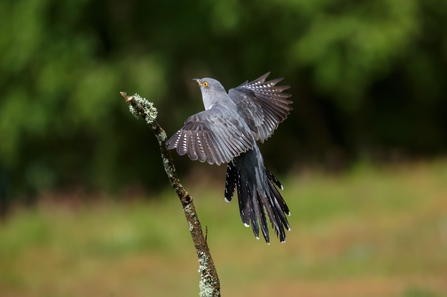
(257, 194)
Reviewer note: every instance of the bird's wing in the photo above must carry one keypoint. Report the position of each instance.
(215, 135)
(262, 105)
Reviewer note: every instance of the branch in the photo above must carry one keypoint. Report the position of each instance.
(209, 281)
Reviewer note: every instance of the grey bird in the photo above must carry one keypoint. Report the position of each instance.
(226, 132)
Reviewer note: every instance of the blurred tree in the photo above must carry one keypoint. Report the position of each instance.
(366, 76)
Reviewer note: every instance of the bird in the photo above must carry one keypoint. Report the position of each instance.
(227, 132)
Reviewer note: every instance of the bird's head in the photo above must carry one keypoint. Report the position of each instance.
(212, 91)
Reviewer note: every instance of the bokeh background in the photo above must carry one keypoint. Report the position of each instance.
(87, 210)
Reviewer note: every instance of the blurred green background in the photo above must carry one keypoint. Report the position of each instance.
(368, 80)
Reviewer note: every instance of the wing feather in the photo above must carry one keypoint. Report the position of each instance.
(200, 149)
(262, 104)
(216, 135)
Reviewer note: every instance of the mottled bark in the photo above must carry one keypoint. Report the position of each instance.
(209, 281)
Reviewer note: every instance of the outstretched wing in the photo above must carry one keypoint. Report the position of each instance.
(215, 135)
(262, 105)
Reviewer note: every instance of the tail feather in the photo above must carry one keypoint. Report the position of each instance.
(263, 218)
(273, 179)
(254, 210)
(279, 199)
(243, 202)
(258, 195)
(230, 181)
(279, 220)
(276, 216)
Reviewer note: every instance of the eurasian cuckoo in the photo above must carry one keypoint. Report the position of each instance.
(226, 132)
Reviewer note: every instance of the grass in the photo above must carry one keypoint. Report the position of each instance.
(367, 232)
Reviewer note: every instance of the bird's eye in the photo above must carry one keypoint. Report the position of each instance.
(205, 84)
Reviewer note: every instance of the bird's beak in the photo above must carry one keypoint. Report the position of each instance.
(197, 81)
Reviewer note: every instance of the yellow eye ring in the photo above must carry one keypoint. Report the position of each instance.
(205, 84)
